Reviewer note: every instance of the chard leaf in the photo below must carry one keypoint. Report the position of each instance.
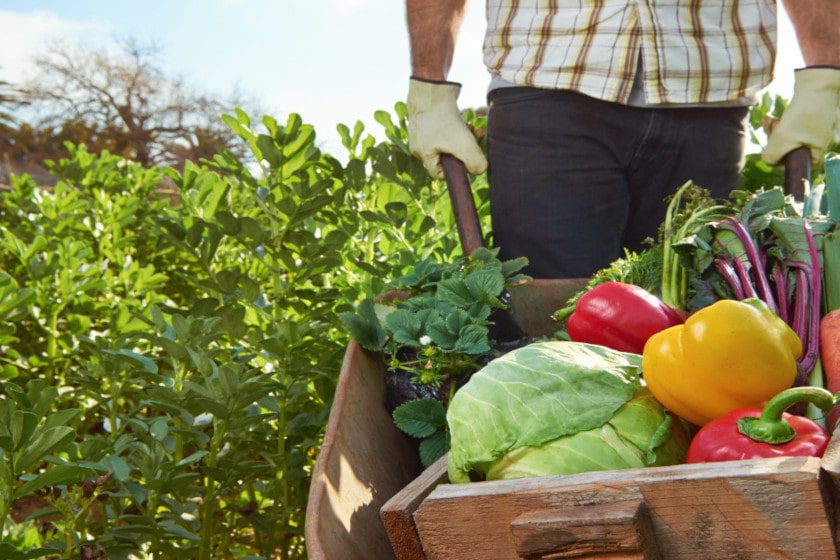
(791, 236)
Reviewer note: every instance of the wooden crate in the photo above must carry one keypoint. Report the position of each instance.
(756, 509)
(370, 499)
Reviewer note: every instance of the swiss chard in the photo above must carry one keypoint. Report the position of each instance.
(689, 211)
(768, 250)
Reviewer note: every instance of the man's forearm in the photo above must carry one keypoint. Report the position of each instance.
(817, 26)
(432, 29)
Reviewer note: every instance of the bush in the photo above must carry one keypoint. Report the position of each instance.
(168, 368)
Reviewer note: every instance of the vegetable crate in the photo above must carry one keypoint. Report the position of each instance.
(371, 499)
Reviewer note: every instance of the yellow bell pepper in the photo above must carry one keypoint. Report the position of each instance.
(728, 355)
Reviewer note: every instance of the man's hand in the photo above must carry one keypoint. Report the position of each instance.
(811, 119)
(435, 127)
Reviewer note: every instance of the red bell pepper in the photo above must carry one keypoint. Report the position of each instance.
(620, 316)
(754, 433)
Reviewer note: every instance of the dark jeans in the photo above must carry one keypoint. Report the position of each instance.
(575, 180)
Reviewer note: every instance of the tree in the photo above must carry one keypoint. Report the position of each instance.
(8, 99)
(124, 103)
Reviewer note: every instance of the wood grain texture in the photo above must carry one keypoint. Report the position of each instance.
(364, 461)
(398, 512)
(595, 529)
(760, 509)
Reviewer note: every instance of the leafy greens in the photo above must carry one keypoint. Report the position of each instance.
(564, 395)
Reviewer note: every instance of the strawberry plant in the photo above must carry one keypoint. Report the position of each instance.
(433, 332)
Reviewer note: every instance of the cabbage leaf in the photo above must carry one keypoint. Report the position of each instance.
(533, 395)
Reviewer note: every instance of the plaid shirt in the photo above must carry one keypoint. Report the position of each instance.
(692, 51)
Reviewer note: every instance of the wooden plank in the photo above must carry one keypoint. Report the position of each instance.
(576, 531)
(830, 486)
(758, 509)
(533, 303)
(397, 513)
(364, 461)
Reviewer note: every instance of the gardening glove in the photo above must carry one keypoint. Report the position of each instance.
(811, 119)
(435, 127)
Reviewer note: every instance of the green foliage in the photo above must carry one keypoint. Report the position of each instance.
(444, 320)
(171, 340)
(437, 331)
(425, 419)
(756, 173)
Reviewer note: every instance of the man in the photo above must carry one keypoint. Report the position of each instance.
(599, 110)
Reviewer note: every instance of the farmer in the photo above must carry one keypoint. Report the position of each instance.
(599, 110)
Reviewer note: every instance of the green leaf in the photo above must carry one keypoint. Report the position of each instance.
(14, 301)
(229, 222)
(55, 476)
(170, 528)
(473, 340)
(8, 372)
(118, 465)
(44, 443)
(397, 213)
(535, 394)
(434, 447)
(159, 428)
(22, 427)
(455, 291)
(197, 456)
(146, 364)
(62, 417)
(420, 418)
(10, 552)
(485, 283)
(405, 326)
(440, 332)
(270, 152)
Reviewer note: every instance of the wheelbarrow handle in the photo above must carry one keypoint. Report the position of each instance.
(797, 171)
(504, 329)
(463, 203)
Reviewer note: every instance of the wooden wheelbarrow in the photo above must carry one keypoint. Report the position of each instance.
(370, 498)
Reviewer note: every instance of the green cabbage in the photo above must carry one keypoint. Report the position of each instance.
(559, 407)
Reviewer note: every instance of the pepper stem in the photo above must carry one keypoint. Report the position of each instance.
(771, 427)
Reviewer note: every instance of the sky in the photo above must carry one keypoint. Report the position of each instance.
(330, 61)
